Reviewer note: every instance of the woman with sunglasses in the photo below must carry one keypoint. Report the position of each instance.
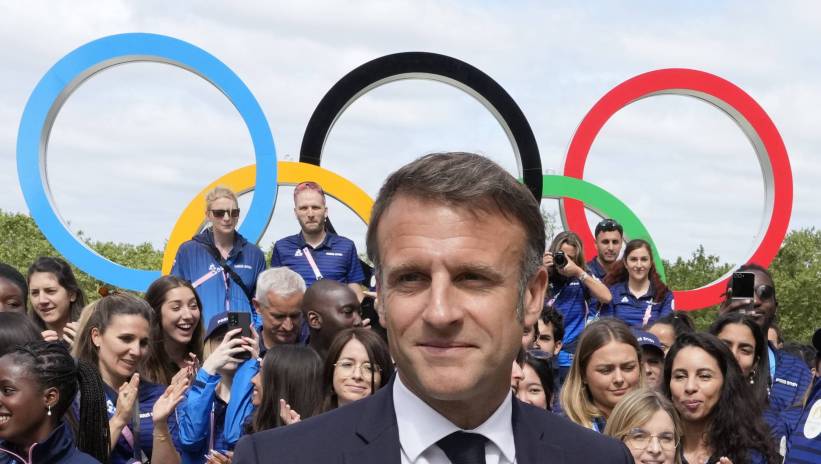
(358, 364)
(220, 263)
(706, 386)
(639, 295)
(649, 425)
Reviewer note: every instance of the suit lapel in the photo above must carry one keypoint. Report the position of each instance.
(533, 445)
(378, 430)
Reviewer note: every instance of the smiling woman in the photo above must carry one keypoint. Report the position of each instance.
(115, 339)
(55, 296)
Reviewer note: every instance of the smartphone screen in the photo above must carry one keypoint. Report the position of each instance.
(743, 285)
(240, 320)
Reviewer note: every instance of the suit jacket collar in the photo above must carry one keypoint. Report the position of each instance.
(378, 430)
(533, 445)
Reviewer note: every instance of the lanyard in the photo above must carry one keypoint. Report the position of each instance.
(307, 252)
(647, 313)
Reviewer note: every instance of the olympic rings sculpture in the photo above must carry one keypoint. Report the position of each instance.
(267, 174)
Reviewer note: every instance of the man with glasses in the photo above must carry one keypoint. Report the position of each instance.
(609, 239)
(315, 253)
(457, 243)
(789, 376)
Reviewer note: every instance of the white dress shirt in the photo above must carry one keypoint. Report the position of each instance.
(420, 427)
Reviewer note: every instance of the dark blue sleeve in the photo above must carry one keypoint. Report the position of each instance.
(355, 274)
(275, 260)
(668, 305)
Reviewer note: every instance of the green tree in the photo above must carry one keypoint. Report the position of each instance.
(797, 273)
(698, 270)
(22, 242)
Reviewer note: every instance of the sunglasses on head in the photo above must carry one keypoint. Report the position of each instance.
(608, 225)
(220, 213)
(308, 185)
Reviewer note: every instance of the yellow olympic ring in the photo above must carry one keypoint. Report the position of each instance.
(243, 179)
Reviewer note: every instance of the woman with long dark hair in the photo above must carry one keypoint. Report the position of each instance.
(746, 341)
(176, 330)
(358, 364)
(288, 388)
(56, 298)
(39, 381)
(536, 384)
(706, 386)
(114, 338)
(639, 295)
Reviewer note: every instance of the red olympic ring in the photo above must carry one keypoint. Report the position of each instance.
(752, 119)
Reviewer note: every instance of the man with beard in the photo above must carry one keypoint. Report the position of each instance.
(315, 253)
(609, 238)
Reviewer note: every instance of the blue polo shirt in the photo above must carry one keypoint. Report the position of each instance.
(636, 312)
(335, 257)
(791, 379)
(804, 442)
(570, 298)
(596, 269)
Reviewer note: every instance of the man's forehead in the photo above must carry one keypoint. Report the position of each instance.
(277, 302)
(308, 197)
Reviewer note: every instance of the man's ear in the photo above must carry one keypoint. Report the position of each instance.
(377, 303)
(557, 347)
(314, 320)
(255, 303)
(533, 300)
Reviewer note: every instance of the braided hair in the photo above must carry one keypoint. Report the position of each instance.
(53, 367)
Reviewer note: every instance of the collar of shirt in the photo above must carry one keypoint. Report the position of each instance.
(300, 239)
(621, 289)
(420, 426)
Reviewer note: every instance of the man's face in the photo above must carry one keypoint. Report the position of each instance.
(652, 362)
(310, 210)
(450, 289)
(281, 317)
(608, 246)
(763, 310)
(338, 309)
(546, 341)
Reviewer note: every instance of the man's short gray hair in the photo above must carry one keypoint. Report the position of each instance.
(280, 280)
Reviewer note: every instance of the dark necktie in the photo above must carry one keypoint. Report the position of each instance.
(464, 447)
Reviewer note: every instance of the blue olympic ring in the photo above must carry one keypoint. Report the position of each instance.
(71, 71)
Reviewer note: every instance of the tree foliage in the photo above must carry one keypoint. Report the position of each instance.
(796, 269)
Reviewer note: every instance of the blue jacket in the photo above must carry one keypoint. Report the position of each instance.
(194, 413)
(804, 440)
(147, 393)
(218, 292)
(58, 448)
(570, 298)
(791, 380)
(637, 312)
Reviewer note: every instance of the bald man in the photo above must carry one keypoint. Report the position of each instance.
(329, 307)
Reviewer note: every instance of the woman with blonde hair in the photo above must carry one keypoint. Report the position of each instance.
(606, 367)
(219, 262)
(649, 425)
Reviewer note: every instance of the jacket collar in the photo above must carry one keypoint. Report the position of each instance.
(206, 237)
(56, 447)
(377, 428)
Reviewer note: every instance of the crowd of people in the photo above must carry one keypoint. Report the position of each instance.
(425, 362)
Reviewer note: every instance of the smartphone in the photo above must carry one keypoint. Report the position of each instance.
(240, 320)
(743, 285)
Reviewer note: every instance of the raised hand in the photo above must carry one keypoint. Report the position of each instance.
(288, 415)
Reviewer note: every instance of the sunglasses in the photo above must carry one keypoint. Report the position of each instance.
(608, 225)
(764, 292)
(308, 185)
(220, 213)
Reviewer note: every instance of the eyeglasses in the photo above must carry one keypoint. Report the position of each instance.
(220, 213)
(608, 225)
(346, 367)
(639, 439)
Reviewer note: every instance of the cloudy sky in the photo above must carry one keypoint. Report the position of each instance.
(135, 143)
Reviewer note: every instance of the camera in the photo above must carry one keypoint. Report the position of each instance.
(559, 259)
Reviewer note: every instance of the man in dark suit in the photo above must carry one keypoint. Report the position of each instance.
(457, 243)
